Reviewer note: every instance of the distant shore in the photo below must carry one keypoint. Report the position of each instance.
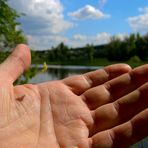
(101, 62)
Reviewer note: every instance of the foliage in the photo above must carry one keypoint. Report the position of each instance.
(142, 47)
(61, 52)
(134, 45)
(121, 50)
(10, 35)
(44, 67)
(30, 73)
(135, 59)
(89, 50)
(116, 50)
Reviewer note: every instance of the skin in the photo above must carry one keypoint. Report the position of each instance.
(106, 108)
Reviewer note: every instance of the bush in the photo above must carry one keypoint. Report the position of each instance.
(135, 59)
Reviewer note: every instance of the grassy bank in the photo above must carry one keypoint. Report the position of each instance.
(95, 62)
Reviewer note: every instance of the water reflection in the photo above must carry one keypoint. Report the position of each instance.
(57, 73)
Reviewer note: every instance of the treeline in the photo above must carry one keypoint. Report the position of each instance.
(133, 47)
(63, 54)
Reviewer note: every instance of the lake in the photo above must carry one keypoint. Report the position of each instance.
(56, 72)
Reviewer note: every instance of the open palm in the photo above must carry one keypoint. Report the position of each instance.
(104, 108)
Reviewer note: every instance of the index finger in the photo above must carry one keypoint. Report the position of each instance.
(79, 84)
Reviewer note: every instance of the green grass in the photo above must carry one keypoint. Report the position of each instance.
(96, 62)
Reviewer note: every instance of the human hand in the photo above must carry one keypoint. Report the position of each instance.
(97, 109)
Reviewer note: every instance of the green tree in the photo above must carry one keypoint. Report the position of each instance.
(10, 35)
(51, 55)
(62, 52)
(121, 50)
(89, 52)
(114, 49)
(142, 47)
(131, 45)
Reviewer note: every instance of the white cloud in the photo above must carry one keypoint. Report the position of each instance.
(42, 42)
(44, 15)
(103, 37)
(88, 12)
(79, 40)
(45, 25)
(79, 37)
(121, 36)
(139, 23)
(44, 18)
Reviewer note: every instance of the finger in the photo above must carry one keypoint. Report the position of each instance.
(115, 88)
(121, 110)
(81, 83)
(15, 64)
(123, 135)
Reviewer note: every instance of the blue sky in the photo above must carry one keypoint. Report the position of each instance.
(78, 22)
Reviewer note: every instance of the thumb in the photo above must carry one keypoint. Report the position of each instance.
(15, 64)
